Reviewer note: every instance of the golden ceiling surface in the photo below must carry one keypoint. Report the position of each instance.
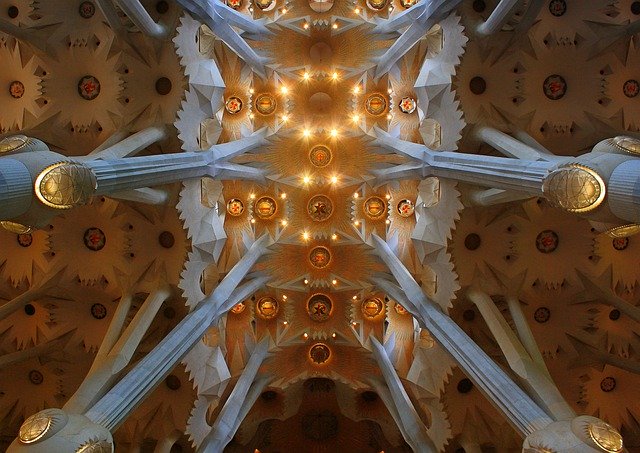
(321, 108)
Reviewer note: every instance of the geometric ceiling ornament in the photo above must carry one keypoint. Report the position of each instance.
(319, 307)
(320, 257)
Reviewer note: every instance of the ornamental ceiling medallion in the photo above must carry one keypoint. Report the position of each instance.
(321, 6)
(372, 307)
(267, 307)
(238, 308)
(319, 353)
(265, 104)
(16, 89)
(400, 309)
(233, 105)
(631, 88)
(319, 257)
(320, 156)
(235, 207)
(377, 5)
(265, 5)
(375, 208)
(554, 87)
(94, 239)
(408, 3)
(265, 207)
(547, 241)
(405, 208)
(88, 87)
(408, 105)
(320, 208)
(319, 307)
(376, 104)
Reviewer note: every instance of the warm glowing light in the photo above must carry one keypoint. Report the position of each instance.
(334, 179)
(306, 179)
(285, 118)
(356, 195)
(354, 297)
(306, 282)
(285, 322)
(283, 195)
(251, 91)
(252, 196)
(390, 91)
(305, 25)
(251, 115)
(284, 297)
(306, 133)
(389, 116)
(334, 76)
(335, 25)
(334, 236)
(356, 223)
(305, 76)
(333, 334)
(305, 335)
(284, 89)
(356, 118)
(390, 8)
(354, 323)
(253, 220)
(334, 132)
(334, 281)
(284, 10)
(387, 221)
(357, 10)
(305, 236)
(283, 223)
(356, 89)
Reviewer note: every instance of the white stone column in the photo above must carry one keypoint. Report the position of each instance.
(242, 397)
(220, 22)
(500, 16)
(400, 406)
(113, 408)
(132, 144)
(517, 407)
(430, 13)
(141, 18)
(506, 144)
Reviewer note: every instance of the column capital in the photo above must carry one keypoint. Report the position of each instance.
(583, 434)
(56, 430)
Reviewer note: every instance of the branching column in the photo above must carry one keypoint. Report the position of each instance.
(398, 403)
(519, 409)
(123, 398)
(242, 397)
